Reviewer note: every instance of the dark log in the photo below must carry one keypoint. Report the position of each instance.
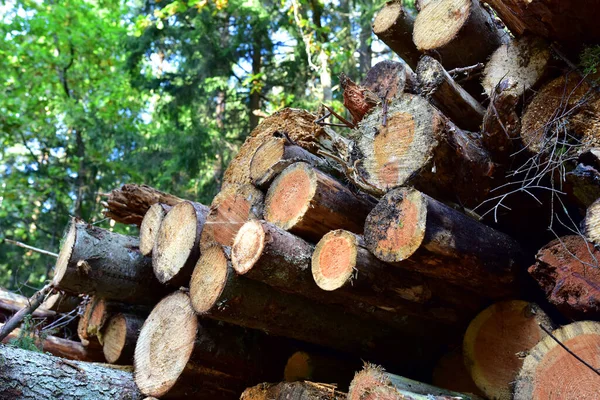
(150, 226)
(317, 367)
(293, 391)
(120, 336)
(394, 26)
(583, 182)
(451, 373)
(419, 233)
(389, 79)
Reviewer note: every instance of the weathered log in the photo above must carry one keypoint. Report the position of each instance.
(567, 270)
(449, 97)
(95, 261)
(394, 26)
(417, 145)
(419, 233)
(460, 32)
(591, 223)
(131, 202)
(310, 203)
(495, 341)
(120, 336)
(451, 373)
(293, 391)
(31, 375)
(317, 367)
(550, 371)
(583, 182)
(389, 79)
(177, 246)
(229, 210)
(12, 302)
(84, 320)
(150, 226)
(62, 303)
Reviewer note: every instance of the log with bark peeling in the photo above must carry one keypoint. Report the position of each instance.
(150, 226)
(293, 391)
(394, 26)
(11, 302)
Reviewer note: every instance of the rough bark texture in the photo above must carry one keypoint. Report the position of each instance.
(419, 233)
(29, 375)
(12, 302)
(567, 270)
(394, 26)
(310, 203)
(131, 202)
(495, 340)
(293, 391)
(549, 371)
(418, 146)
(95, 261)
(119, 336)
(459, 32)
(449, 97)
(150, 226)
(591, 223)
(316, 367)
(389, 79)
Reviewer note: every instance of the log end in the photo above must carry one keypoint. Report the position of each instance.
(366, 381)
(266, 156)
(334, 259)
(165, 345)
(385, 20)
(437, 24)
(209, 279)
(115, 336)
(298, 367)
(150, 226)
(65, 253)
(592, 223)
(248, 246)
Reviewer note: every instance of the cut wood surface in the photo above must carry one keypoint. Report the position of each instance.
(119, 336)
(460, 32)
(177, 245)
(495, 341)
(419, 233)
(317, 367)
(448, 96)
(150, 226)
(95, 261)
(293, 391)
(417, 145)
(131, 202)
(549, 371)
(393, 25)
(309, 203)
(591, 223)
(31, 375)
(567, 270)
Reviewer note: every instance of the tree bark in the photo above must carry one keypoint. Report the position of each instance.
(591, 223)
(421, 234)
(394, 26)
(150, 226)
(120, 336)
(12, 302)
(31, 375)
(495, 341)
(293, 391)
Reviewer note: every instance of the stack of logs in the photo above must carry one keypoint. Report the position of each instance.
(409, 239)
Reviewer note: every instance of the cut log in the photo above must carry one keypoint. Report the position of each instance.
(304, 366)
(150, 226)
(31, 375)
(84, 320)
(293, 391)
(229, 210)
(583, 182)
(591, 223)
(310, 203)
(549, 371)
(419, 233)
(523, 61)
(496, 340)
(62, 303)
(450, 373)
(394, 26)
(120, 336)
(95, 261)
(460, 32)
(131, 202)
(567, 270)
(419, 146)
(177, 246)
(449, 97)
(11, 302)
(389, 79)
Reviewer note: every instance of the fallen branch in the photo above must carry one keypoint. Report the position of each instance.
(34, 302)
(25, 246)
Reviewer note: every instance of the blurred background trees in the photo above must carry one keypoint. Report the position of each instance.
(95, 94)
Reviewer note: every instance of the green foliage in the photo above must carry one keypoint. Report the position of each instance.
(590, 59)
(29, 338)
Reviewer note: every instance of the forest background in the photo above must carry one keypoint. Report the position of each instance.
(98, 93)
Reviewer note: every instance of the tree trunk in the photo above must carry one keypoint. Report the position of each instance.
(150, 226)
(95, 261)
(419, 233)
(495, 341)
(365, 53)
(567, 270)
(418, 146)
(293, 391)
(120, 336)
(591, 223)
(549, 371)
(449, 97)
(177, 246)
(256, 86)
(460, 32)
(317, 367)
(31, 375)
(310, 203)
(394, 26)
(130, 203)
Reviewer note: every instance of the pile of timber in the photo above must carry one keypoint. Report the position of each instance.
(415, 239)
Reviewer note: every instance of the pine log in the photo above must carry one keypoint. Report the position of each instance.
(419, 233)
(417, 145)
(460, 32)
(150, 226)
(84, 320)
(309, 203)
(549, 371)
(449, 97)
(496, 340)
(216, 292)
(30, 375)
(591, 223)
(120, 336)
(317, 367)
(62, 303)
(95, 261)
(177, 246)
(229, 210)
(389, 79)
(293, 391)
(567, 270)
(393, 25)
(451, 373)
(11, 302)
(131, 202)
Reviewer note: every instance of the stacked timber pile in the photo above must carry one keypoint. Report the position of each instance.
(415, 237)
